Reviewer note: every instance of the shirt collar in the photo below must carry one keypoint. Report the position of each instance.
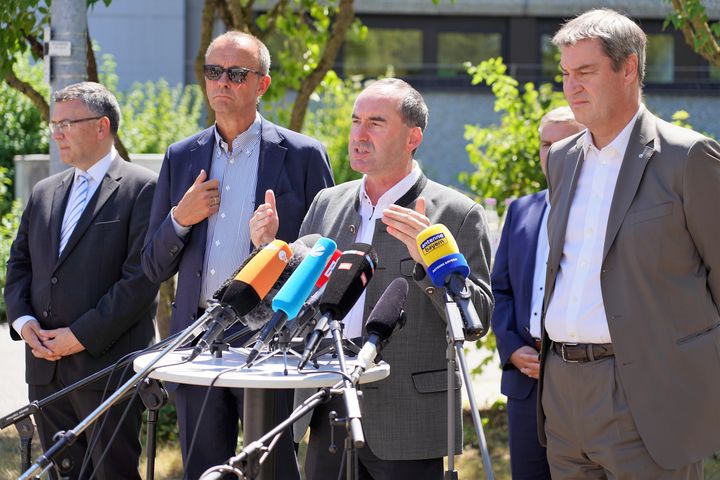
(100, 168)
(395, 192)
(619, 143)
(244, 140)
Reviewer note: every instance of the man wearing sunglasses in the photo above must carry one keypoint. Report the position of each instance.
(209, 187)
(75, 292)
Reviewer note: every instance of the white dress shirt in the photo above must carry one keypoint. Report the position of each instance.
(538, 289)
(369, 214)
(576, 312)
(95, 175)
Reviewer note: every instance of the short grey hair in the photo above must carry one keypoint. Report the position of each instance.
(96, 97)
(620, 37)
(558, 115)
(413, 110)
(237, 36)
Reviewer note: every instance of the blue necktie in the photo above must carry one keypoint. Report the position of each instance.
(74, 210)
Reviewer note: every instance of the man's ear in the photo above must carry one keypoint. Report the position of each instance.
(415, 138)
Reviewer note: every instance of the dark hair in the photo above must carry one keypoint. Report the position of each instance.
(620, 37)
(413, 109)
(96, 97)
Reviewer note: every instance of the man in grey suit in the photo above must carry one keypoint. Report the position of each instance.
(631, 349)
(76, 293)
(404, 417)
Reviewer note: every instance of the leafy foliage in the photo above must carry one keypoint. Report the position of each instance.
(23, 129)
(154, 114)
(690, 17)
(507, 156)
(9, 223)
(329, 119)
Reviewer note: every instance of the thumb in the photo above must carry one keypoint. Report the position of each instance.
(270, 199)
(200, 178)
(420, 205)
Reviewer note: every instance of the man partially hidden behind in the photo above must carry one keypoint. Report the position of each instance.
(518, 284)
(630, 356)
(209, 187)
(75, 291)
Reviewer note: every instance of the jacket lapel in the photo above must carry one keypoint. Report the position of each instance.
(561, 209)
(107, 187)
(57, 211)
(270, 162)
(201, 156)
(640, 149)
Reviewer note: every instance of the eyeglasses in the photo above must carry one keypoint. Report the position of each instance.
(64, 125)
(235, 74)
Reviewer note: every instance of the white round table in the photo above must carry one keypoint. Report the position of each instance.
(259, 381)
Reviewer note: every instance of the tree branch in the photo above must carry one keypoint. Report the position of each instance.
(26, 89)
(694, 25)
(273, 15)
(343, 20)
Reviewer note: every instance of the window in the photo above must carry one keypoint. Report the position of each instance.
(660, 61)
(456, 48)
(549, 58)
(400, 49)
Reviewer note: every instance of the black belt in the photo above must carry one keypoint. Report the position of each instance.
(583, 352)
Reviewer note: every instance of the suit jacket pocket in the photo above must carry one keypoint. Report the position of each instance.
(106, 223)
(434, 381)
(651, 213)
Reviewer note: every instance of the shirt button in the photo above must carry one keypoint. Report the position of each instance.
(54, 280)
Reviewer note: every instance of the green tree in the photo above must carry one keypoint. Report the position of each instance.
(703, 35)
(507, 156)
(24, 131)
(304, 36)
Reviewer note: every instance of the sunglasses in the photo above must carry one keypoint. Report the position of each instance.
(235, 74)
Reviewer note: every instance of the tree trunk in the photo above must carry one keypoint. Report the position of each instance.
(206, 24)
(341, 24)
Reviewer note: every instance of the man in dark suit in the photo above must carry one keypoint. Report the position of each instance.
(75, 291)
(210, 184)
(630, 355)
(518, 281)
(404, 416)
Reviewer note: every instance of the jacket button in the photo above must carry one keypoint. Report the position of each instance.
(54, 280)
(173, 250)
(352, 228)
(430, 290)
(198, 274)
(45, 313)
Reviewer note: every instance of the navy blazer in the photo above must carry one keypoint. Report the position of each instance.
(512, 283)
(294, 166)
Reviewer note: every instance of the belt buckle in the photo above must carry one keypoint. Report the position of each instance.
(563, 352)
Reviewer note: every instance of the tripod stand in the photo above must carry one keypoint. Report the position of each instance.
(455, 354)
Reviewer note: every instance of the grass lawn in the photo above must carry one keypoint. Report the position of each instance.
(469, 465)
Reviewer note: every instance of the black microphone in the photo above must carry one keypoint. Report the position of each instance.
(385, 319)
(353, 271)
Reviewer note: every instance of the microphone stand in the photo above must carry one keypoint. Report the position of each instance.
(247, 463)
(355, 438)
(68, 438)
(455, 339)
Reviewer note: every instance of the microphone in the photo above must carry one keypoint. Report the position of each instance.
(309, 308)
(353, 271)
(448, 268)
(385, 319)
(246, 289)
(290, 298)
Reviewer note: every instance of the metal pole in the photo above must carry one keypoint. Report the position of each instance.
(68, 22)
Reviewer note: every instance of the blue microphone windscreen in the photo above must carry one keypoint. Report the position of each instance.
(297, 289)
(440, 270)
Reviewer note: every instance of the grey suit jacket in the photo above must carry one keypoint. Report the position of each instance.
(405, 415)
(96, 286)
(660, 282)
